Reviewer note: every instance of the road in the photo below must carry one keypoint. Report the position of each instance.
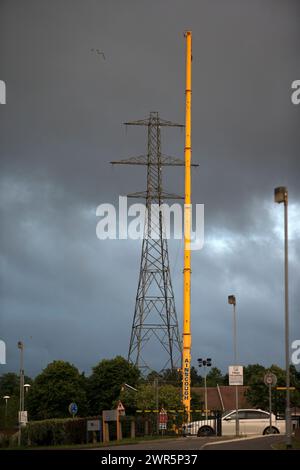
(199, 443)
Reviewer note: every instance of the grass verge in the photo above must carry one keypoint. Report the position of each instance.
(97, 445)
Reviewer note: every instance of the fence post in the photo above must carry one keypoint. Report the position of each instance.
(146, 427)
(120, 430)
(132, 428)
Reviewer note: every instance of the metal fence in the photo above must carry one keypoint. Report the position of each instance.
(204, 424)
(150, 423)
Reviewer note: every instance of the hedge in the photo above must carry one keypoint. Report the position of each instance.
(55, 432)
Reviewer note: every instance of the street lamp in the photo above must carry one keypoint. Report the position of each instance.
(6, 398)
(281, 195)
(232, 301)
(27, 387)
(205, 363)
(21, 406)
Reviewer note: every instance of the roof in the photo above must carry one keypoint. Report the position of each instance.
(227, 393)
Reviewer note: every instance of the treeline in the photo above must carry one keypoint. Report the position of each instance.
(61, 383)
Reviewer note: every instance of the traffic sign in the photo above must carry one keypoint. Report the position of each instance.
(236, 375)
(73, 409)
(270, 379)
(23, 418)
(110, 415)
(163, 417)
(120, 408)
(93, 425)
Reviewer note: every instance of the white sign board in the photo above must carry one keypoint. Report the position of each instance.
(23, 417)
(110, 415)
(236, 375)
(93, 425)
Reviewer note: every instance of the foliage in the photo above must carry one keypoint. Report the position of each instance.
(54, 389)
(10, 385)
(257, 394)
(165, 396)
(196, 379)
(172, 377)
(105, 383)
(214, 377)
(55, 432)
(151, 397)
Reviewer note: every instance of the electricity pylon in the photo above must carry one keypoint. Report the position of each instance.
(155, 319)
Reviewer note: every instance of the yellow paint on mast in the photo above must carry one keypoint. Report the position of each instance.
(187, 341)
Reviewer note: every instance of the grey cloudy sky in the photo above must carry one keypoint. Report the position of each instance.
(70, 296)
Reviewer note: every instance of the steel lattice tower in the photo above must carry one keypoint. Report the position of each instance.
(155, 315)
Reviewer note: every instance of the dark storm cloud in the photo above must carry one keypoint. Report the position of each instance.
(64, 292)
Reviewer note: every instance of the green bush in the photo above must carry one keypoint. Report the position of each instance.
(54, 432)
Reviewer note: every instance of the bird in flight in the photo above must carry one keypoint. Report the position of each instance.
(98, 52)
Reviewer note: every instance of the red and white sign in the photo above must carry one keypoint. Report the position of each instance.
(120, 408)
(163, 417)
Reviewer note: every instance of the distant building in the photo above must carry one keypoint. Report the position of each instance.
(224, 398)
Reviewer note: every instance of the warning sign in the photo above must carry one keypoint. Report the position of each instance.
(163, 419)
(120, 408)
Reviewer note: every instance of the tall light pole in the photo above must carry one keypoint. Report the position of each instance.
(6, 398)
(21, 405)
(232, 301)
(281, 195)
(205, 363)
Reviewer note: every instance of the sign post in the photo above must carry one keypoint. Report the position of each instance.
(270, 380)
(236, 378)
(120, 412)
(73, 409)
(163, 420)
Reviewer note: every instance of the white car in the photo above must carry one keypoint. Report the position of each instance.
(251, 422)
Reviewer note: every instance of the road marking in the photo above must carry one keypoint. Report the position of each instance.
(237, 439)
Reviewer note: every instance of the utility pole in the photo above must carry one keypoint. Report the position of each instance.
(187, 342)
(21, 404)
(232, 301)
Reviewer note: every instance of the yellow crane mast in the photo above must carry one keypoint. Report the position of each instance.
(186, 340)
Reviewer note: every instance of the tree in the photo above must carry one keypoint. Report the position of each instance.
(152, 376)
(214, 377)
(10, 384)
(196, 379)
(172, 377)
(54, 389)
(165, 396)
(105, 383)
(253, 373)
(257, 394)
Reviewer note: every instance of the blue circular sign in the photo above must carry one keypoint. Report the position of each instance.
(73, 408)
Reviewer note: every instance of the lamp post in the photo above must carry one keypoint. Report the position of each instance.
(281, 195)
(26, 388)
(232, 301)
(205, 363)
(6, 398)
(21, 405)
